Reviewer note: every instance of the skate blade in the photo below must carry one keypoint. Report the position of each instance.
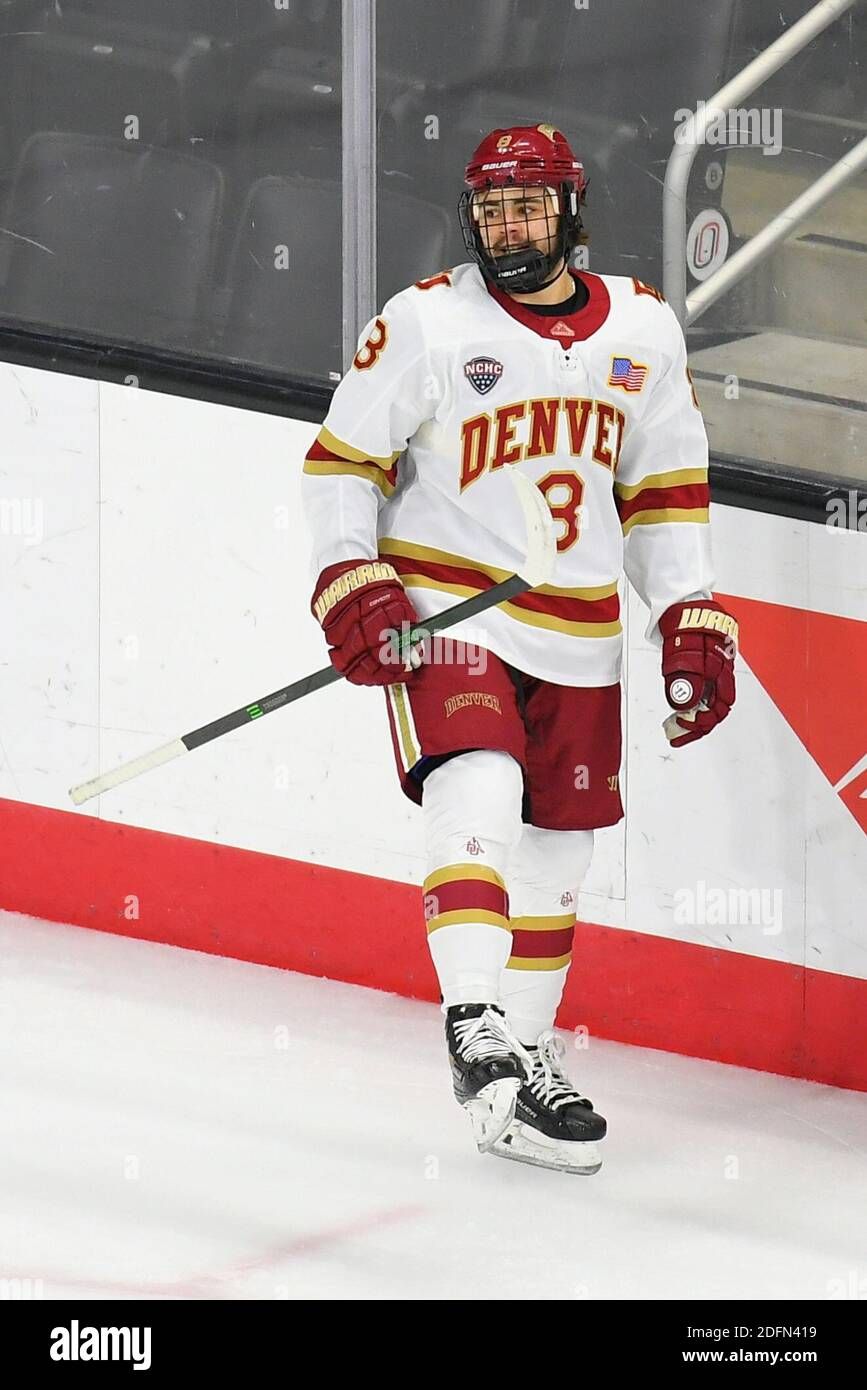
(493, 1110)
(559, 1155)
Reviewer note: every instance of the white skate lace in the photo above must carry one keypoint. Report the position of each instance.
(549, 1082)
(480, 1039)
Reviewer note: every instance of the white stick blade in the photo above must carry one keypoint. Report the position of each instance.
(541, 554)
(127, 771)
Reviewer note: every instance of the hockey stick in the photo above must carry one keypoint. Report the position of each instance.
(537, 567)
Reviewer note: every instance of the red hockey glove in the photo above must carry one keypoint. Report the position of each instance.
(699, 644)
(363, 608)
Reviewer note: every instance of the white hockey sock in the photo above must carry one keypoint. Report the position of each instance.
(545, 873)
(472, 819)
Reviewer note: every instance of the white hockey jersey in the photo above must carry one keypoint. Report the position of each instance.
(453, 383)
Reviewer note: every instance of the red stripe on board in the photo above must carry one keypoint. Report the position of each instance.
(809, 661)
(70, 867)
(628, 986)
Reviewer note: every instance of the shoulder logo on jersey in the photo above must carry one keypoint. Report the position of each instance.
(483, 373)
(443, 278)
(628, 375)
(641, 287)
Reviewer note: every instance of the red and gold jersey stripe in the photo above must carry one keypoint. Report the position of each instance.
(329, 456)
(682, 495)
(593, 612)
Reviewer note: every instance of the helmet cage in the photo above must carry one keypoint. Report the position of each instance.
(527, 269)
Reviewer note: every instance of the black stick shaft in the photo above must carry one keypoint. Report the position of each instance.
(470, 607)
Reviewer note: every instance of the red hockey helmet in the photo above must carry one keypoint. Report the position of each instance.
(516, 156)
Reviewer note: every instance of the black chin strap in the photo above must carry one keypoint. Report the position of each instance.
(517, 284)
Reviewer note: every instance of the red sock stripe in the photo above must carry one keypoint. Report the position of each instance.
(464, 894)
(531, 944)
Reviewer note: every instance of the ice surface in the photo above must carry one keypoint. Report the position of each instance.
(180, 1125)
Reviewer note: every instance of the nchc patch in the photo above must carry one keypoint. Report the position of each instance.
(483, 373)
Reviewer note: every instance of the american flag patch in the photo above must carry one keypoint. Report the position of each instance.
(626, 373)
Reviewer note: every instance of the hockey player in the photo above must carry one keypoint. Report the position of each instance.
(509, 739)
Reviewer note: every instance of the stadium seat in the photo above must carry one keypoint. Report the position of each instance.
(112, 239)
(80, 72)
(289, 116)
(290, 319)
(228, 19)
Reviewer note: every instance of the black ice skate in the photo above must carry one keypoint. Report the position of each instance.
(554, 1125)
(489, 1066)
